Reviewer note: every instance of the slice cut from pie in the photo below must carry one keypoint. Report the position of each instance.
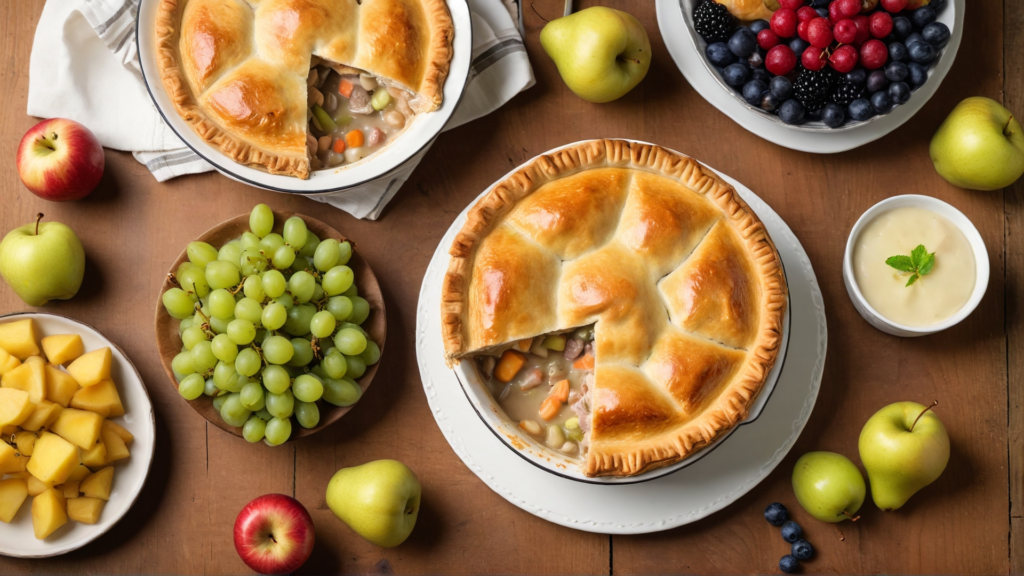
(680, 281)
(240, 72)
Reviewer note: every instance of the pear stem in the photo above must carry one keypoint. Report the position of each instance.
(633, 60)
(38, 218)
(532, 7)
(840, 532)
(1006, 129)
(933, 405)
(850, 516)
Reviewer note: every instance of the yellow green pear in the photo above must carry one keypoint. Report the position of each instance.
(380, 500)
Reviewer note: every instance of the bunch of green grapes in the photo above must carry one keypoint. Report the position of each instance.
(270, 326)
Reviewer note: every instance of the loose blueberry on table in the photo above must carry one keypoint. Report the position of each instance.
(834, 61)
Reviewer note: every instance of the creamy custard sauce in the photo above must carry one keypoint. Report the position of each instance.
(934, 297)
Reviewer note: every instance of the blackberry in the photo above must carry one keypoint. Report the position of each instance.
(713, 21)
(812, 88)
(845, 92)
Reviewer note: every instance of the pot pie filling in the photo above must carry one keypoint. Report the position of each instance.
(655, 257)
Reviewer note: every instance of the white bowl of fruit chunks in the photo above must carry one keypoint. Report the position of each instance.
(825, 65)
(78, 435)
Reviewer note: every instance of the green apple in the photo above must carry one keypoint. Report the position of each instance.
(980, 146)
(904, 447)
(42, 261)
(828, 486)
(601, 53)
(379, 500)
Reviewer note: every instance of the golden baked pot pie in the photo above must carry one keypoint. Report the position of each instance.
(290, 86)
(621, 302)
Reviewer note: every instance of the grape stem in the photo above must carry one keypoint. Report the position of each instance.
(315, 345)
(173, 280)
(236, 289)
(206, 321)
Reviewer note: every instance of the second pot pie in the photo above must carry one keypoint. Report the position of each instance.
(246, 74)
(642, 269)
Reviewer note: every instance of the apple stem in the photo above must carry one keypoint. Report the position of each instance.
(538, 13)
(39, 217)
(1006, 129)
(850, 516)
(933, 405)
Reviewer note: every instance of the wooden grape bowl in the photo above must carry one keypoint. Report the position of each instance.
(169, 342)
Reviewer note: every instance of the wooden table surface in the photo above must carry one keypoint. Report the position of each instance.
(968, 521)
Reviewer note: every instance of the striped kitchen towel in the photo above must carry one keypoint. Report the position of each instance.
(84, 66)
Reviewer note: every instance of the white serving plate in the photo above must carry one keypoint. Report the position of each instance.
(17, 538)
(716, 477)
(676, 32)
(416, 137)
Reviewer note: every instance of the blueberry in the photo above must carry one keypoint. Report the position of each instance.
(743, 42)
(755, 60)
(762, 75)
(937, 5)
(753, 90)
(822, 12)
(860, 110)
(798, 45)
(899, 92)
(719, 54)
(877, 81)
(896, 71)
(791, 531)
(736, 74)
(782, 88)
(770, 102)
(857, 76)
(788, 564)
(776, 514)
(881, 102)
(913, 39)
(757, 25)
(820, 3)
(923, 16)
(791, 112)
(922, 52)
(803, 550)
(901, 27)
(936, 34)
(918, 75)
(898, 52)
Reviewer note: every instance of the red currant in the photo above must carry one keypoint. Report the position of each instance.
(767, 39)
(784, 22)
(863, 29)
(849, 8)
(845, 31)
(780, 60)
(791, 4)
(894, 6)
(844, 58)
(819, 33)
(834, 13)
(813, 59)
(880, 24)
(874, 54)
(806, 14)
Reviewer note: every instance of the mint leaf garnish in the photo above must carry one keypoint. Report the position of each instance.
(919, 263)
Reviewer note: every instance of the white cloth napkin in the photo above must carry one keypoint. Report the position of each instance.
(85, 66)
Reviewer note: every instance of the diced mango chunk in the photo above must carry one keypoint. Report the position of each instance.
(25, 440)
(98, 485)
(13, 492)
(7, 362)
(119, 430)
(20, 338)
(102, 399)
(60, 386)
(36, 487)
(70, 488)
(48, 513)
(53, 459)
(80, 427)
(30, 377)
(78, 474)
(92, 368)
(85, 510)
(15, 406)
(45, 413)
(62, 348)
(116, 448)
(96, 457)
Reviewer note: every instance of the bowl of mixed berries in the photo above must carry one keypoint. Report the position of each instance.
(821, 65)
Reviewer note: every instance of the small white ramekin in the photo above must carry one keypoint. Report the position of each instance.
(939, 207)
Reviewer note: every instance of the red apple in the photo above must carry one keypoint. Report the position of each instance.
(60, 160)
(274, 534)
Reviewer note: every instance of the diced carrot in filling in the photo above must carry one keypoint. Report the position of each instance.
(524, 345)
(354, 139)
(561, 391)
(509, 365)
(550, 407)
(345, 88)
(339, 145)
(585, 362)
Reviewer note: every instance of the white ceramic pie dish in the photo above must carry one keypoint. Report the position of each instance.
(947, 16)
(556, 463)
(417, 136)
(17, 539)
(953, 215)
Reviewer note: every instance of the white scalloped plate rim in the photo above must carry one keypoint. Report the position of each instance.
(17, 539)
(686, 496)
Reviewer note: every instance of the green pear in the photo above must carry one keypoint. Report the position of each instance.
(42, 261)
(904, 448)
(980, 146)
(828, 486)
(601, 53)
(379, 500)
